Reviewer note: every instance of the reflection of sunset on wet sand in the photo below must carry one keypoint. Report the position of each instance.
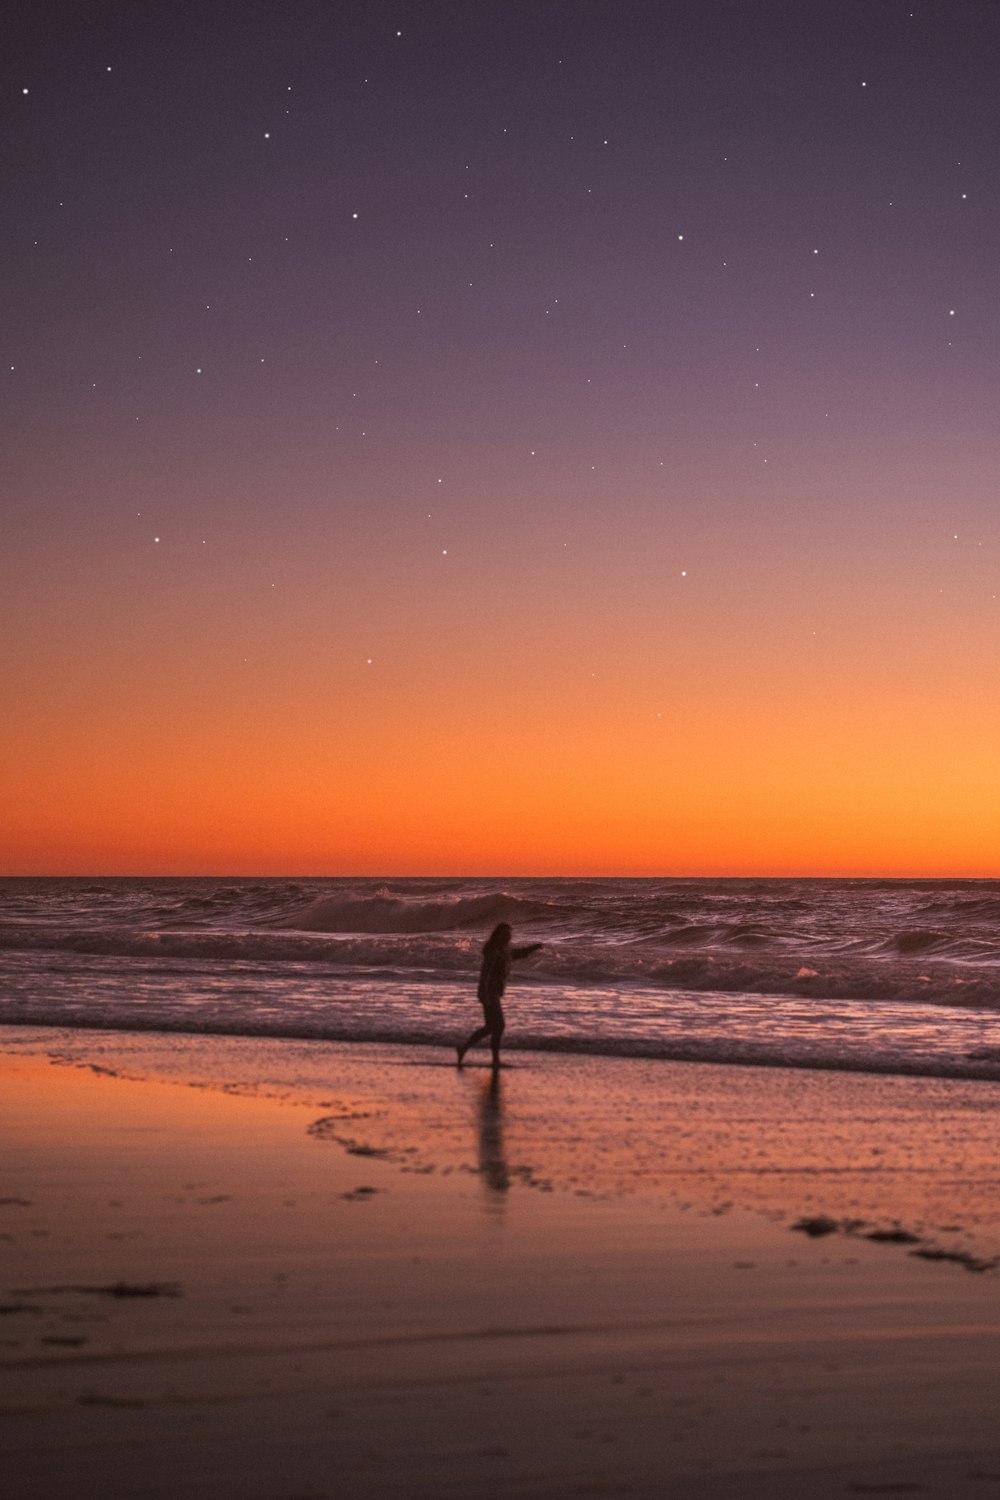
(311, 1228)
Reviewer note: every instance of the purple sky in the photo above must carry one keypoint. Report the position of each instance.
(638, 359)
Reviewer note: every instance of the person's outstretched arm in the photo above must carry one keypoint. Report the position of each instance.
(523, 952)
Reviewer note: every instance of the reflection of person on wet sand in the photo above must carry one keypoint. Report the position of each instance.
(492, 1161)
(497, 958)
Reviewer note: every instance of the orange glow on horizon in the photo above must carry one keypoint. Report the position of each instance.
(734, 782)
(712, 728)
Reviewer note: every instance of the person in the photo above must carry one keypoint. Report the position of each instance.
(497, 958)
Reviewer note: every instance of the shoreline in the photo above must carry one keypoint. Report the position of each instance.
(350, 1269)
(683, 1054)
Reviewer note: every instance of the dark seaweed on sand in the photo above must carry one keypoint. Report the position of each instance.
(815, 1228)
(115, 1289)
(959, 1257)
(821, 1224)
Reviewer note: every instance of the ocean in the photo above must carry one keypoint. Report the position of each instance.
(890, 976)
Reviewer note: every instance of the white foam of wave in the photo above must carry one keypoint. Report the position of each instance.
(385, 914)
(422, 955)
(828, 1041)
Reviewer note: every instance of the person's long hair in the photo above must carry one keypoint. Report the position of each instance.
(498, 938)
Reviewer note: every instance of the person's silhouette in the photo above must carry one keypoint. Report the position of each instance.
(497, 958)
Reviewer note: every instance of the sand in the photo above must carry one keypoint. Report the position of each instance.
(296, 1270)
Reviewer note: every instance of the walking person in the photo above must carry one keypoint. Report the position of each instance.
(498, 956)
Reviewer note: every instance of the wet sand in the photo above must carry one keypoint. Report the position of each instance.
(289, 1270)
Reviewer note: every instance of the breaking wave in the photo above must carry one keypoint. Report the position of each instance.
(711, 966)
(384, 913)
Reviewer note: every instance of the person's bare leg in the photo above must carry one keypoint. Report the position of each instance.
(496, 1037)
(477, 1036)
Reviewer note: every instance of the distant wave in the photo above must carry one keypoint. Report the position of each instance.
(713, 935)
(984, 906)
(885, 920)
(383, 913)
(919, 941)
(422, 951)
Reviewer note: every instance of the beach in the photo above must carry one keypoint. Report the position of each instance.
(258, 1268)
(499, 881)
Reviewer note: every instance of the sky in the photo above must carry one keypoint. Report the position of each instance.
(540, 436)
